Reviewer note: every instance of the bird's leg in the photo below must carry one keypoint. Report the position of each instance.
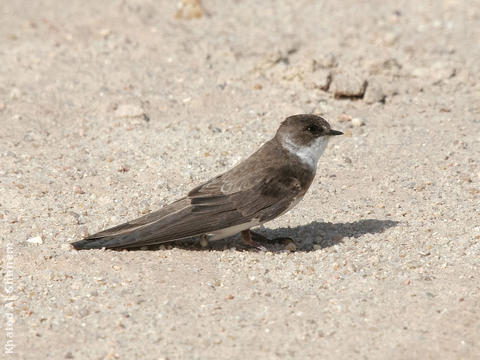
(247, 239)
(258, 237)
(278, 240)
(204, 240)
(287, 242)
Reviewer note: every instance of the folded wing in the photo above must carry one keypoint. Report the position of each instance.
(230, 199)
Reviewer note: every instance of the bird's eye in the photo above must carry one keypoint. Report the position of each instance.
(314, 129)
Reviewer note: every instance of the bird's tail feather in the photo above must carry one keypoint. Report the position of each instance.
(108, 242)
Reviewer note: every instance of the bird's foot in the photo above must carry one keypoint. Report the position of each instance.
(252, 239)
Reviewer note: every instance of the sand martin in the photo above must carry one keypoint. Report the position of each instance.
(267, 184)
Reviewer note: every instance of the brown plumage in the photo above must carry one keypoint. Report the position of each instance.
(257, 190)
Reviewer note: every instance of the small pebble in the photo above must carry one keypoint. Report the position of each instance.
(348, 85)
(129, 111)
(104, 32)
(390, 38)
(189, 9)
(435, 73)
(66, 247)
(374, 93)
(37, 240)
(78, 190)
(344, 118)
(82, 231)
(320, 79)
(357, 122)
(83, 312)
(15, 93)
(325, 61)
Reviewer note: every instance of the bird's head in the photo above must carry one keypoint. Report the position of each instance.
(305, 135)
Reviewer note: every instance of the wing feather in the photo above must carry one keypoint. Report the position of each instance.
(248, 191)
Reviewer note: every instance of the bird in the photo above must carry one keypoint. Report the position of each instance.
(262, 187)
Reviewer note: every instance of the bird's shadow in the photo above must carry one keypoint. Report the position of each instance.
(306, 237)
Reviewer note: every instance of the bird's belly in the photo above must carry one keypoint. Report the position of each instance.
(232, 230)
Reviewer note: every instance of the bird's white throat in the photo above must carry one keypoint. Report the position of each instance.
(310, 154)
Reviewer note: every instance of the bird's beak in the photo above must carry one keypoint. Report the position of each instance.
(335, 132)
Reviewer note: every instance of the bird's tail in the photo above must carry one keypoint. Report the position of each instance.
(133, 233)
(99, 243)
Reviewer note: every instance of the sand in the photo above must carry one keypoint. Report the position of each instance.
(109, 110)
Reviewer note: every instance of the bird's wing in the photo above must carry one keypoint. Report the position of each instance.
(222, 202)
(261, 194)
(141, 222)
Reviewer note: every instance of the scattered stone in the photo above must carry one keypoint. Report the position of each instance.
(15, 93)
(130, 111)
(37, 240)
(28, 137)
(77, 218)
(124, 169)
(441, 71)
(189, 9)
(325, 61)
(83, 312)
(347, 85)
(420, 72)
(344, 118)
(436, 73)
(214, 129)
(322, 108)
(78, 190)
(317, 247)
(357, 122)
(282, 54)
(104, 32)
(82, 232)
(277, 61)
(389, 65)
(292, 73)
(320, 79)
(347, 160)
(390, 38)
(374, 93)
(66, 247)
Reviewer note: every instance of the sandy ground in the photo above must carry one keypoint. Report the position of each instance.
(109, 110)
